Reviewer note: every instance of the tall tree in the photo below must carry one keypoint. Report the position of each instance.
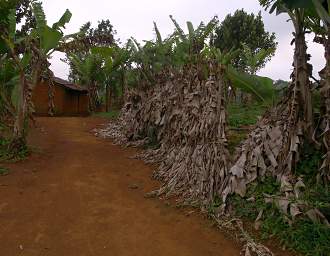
(246, 29)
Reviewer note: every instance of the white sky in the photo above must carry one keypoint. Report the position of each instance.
(135, 18)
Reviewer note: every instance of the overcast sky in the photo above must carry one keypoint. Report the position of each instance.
(135, 18)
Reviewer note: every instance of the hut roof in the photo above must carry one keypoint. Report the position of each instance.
(69, 85)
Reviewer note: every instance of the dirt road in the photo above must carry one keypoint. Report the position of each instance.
(78, 195)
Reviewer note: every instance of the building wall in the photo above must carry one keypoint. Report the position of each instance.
(67, 102)
(83, 104)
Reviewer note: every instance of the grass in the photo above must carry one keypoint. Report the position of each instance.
(3, 147)
(108, 115)
(244, 115)
(5, 155)
(240, 118)
(235, 138)
(303, 235)
(3, 171)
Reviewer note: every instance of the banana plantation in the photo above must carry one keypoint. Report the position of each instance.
(250, 154)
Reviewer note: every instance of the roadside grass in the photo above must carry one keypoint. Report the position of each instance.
(113, 114)
(6, 156)
(3, 171)
(302, 235)
(3, 147)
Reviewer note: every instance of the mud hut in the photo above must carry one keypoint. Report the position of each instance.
(69, 99)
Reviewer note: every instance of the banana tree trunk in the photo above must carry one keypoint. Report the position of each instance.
(107, 98)
(302, 73)
(123, 81)
(92, 97)
(325, 111)
(51, 96)
(110, 97)
(19, 135)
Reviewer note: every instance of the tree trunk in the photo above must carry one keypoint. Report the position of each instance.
(110, 98)
(92, 97)
(123, 81)
(51, 96)
(107, 98)
(325, 111)
(302, 72)
(19, 136)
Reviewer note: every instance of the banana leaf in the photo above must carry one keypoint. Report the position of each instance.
(261, 87)
(66, 17)
(105, 52)
(49, 38)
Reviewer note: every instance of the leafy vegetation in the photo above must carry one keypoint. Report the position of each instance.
(244, 115)
(25, 55)
(108, 115)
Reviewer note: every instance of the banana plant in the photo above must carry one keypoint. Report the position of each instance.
(296, 10)
(89, 75)
(30, 62)
(155, 58)
(319, 23)
(101, 67)
(254, 60)
(115, 61)
(188, 46)
(152, 58)
(261, 87)
(181, 49)
(8, 83)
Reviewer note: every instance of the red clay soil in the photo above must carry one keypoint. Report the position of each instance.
(79, 195)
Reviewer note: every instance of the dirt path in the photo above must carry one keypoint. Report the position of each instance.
(79, 195)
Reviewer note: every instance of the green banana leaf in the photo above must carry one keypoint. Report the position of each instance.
(49, 38)
(66, 17)
(261, 87)
(105, 52)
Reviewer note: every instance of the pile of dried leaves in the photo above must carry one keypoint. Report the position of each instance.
(186, 116)
(272, 149)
